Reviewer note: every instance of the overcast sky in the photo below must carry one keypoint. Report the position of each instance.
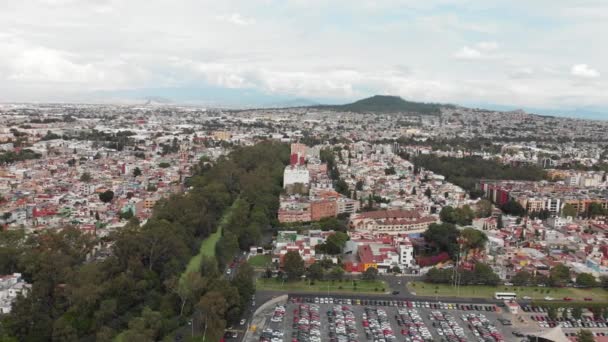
(534, 53)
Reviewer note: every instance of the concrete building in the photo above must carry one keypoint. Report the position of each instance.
(11, 286)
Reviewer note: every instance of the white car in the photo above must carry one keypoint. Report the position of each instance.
(243, 321)
(549, 298)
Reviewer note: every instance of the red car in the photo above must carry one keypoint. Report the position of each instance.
(567, 299)
(587, 299)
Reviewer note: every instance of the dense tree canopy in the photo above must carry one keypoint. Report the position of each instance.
(334, 244)
(461, 216)
(444, 238)
(559, 274)
(586, 280)
(473, 238)
(467, 172)
(482, 274)
(139, 289)
(293, 265)
(513, 207)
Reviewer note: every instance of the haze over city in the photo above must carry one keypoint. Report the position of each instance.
(303, 171)
(543, 56)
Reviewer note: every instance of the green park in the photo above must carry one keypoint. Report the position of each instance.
(487, 291)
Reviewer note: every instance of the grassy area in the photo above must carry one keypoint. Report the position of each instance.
(479, 291)
(363, 286)
(260, 261)
(207, 246)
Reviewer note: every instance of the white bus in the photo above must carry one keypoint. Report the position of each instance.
(505, 295)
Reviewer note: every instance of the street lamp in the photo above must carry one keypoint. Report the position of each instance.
(190, 323)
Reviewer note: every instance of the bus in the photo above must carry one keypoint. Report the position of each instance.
(505, 295)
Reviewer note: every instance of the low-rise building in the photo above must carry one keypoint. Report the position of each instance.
(11, 286)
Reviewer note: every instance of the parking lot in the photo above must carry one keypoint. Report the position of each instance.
(539, 316)
(318, 319)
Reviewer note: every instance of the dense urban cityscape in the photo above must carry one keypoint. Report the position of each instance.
(303, 171)
(459, 203)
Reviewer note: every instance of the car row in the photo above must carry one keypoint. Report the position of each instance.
(447, 327)
(377, 325)
(396, 303)
(306, 324)
(342, 324)
(270, 335)
(412, 325)
(482, 328)
(278, 314)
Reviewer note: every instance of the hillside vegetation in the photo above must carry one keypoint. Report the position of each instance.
(387, 104)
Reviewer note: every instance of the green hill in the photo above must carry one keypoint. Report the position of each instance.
(387, 104)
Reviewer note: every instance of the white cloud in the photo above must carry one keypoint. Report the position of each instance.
(306, 48)
(236, 19)
(488, 46)
(583, 70)
(468, 53)
(479, 51)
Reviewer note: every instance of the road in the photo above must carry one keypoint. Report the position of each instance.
(395, 283)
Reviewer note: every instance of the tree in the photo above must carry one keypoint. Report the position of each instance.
(604, 282)
(460, 216)
(342, 187)
(359, 185)
(512, 207)
(371, 273)
(136, 172)
(569, 211)
(396, 269)
(447, 214)
(473, 238)
(559, 274)
(189, 288)
(164, 165)
(63, 330)
(244, 282)
(85, 177)
(414, 191)
(428, 193)
(484, 208)
(126, 215)
(444, 237)
(586, 280)
(577, 312)
(315, 272)
(439, 276)
(484, 274)
(584, 335)
(293, 264)
(336, 273)
(522, 278)
(106, 196)
(334, 244)
(212, 309)
(595, 209)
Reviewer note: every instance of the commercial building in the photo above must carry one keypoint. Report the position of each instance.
(392, 222)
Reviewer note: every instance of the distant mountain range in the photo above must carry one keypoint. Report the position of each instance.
(218, 97)
(387, 105)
